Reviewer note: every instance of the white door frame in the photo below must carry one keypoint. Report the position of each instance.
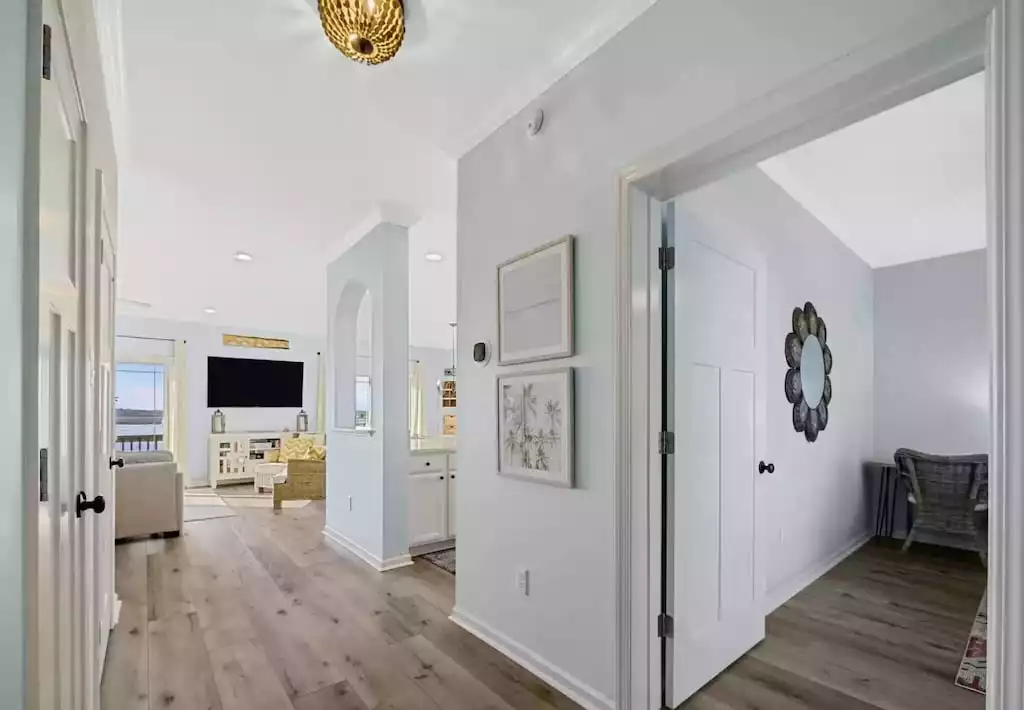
(880, 75)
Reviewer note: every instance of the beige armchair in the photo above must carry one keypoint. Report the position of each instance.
(149, 492)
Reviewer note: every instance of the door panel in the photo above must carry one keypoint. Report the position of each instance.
(717, 381)
(103, 540)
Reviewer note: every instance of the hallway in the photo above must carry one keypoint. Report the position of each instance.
(253, 612)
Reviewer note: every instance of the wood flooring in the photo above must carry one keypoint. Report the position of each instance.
(253, 612)
(881, 631)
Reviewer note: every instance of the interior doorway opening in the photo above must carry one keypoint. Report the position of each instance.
(729, 570)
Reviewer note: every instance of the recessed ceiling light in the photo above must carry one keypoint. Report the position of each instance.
(243, 256)
(432, 256)
(209, 310)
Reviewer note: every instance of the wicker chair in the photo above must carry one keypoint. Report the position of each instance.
(949, 495)
(307, 480)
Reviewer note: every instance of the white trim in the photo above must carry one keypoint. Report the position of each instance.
(1006, 279)
(553, 675)
(342, 545)
(800, 581)
(921, 56)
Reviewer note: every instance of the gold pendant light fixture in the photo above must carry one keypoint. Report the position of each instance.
(367, 31)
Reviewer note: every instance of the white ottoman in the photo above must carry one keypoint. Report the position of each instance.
(267, 474)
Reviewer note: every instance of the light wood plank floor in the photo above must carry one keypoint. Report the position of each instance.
(253, 612)
(881, 631)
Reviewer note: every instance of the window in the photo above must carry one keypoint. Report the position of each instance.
(364, 402)
(139, 406)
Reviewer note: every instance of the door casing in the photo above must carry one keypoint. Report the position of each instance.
(879, 76)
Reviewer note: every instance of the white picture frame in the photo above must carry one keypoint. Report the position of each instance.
(536, 424)
(535, 304)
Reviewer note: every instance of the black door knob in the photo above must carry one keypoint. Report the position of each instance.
(762, 467)
(117, 462)
(96, 505)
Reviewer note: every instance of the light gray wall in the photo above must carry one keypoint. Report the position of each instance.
(818, 501)
(373, 470)
(932, 356)
(204, 341)
(678, 67)
(15, 353)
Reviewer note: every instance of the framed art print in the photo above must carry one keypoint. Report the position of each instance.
(535, 304)
(535, 426)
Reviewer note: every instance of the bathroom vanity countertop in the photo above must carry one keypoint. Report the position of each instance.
(433, 445)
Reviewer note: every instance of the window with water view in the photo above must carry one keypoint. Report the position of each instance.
(139, 407)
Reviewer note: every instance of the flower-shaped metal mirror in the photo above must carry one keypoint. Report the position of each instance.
(808, 382)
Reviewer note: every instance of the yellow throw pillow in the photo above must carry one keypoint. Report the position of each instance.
(297, 448)
(319, 453)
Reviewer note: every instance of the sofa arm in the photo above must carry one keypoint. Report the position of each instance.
(148, 500)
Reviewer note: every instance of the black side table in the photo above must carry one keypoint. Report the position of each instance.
(888, 491)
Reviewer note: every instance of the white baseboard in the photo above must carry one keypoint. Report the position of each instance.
(796, 584)
(339, 543)
(115, 612)
(554, 676)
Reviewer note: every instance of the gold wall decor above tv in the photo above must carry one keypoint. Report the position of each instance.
(250, 341)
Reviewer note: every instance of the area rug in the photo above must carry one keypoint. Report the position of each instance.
(972, 675)
(195, 513)
(209, 504)
(204, 504)
(445, 559)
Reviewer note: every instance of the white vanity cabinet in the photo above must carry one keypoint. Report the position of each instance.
(431, 501)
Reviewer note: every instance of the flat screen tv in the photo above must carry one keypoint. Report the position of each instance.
(241, 382)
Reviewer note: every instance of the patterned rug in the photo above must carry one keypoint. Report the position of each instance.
(445, 559)
(972, 675)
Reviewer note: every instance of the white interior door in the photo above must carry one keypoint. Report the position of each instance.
(103, 531)
(717, 386)
(60, 370)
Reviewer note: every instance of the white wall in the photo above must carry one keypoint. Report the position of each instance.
(372, 470)
(676, 68)
(204, 341)
(932, 356)
(819, 504)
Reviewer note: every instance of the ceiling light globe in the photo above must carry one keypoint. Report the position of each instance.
(367, 31)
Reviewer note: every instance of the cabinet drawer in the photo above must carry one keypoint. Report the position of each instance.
(427, 464)
(452, 463)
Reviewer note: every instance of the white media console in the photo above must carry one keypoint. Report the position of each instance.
(235, 456)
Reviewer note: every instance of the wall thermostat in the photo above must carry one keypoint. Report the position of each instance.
(481, 353)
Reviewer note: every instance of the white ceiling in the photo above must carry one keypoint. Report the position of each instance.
(248, 131)
(904, 185)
